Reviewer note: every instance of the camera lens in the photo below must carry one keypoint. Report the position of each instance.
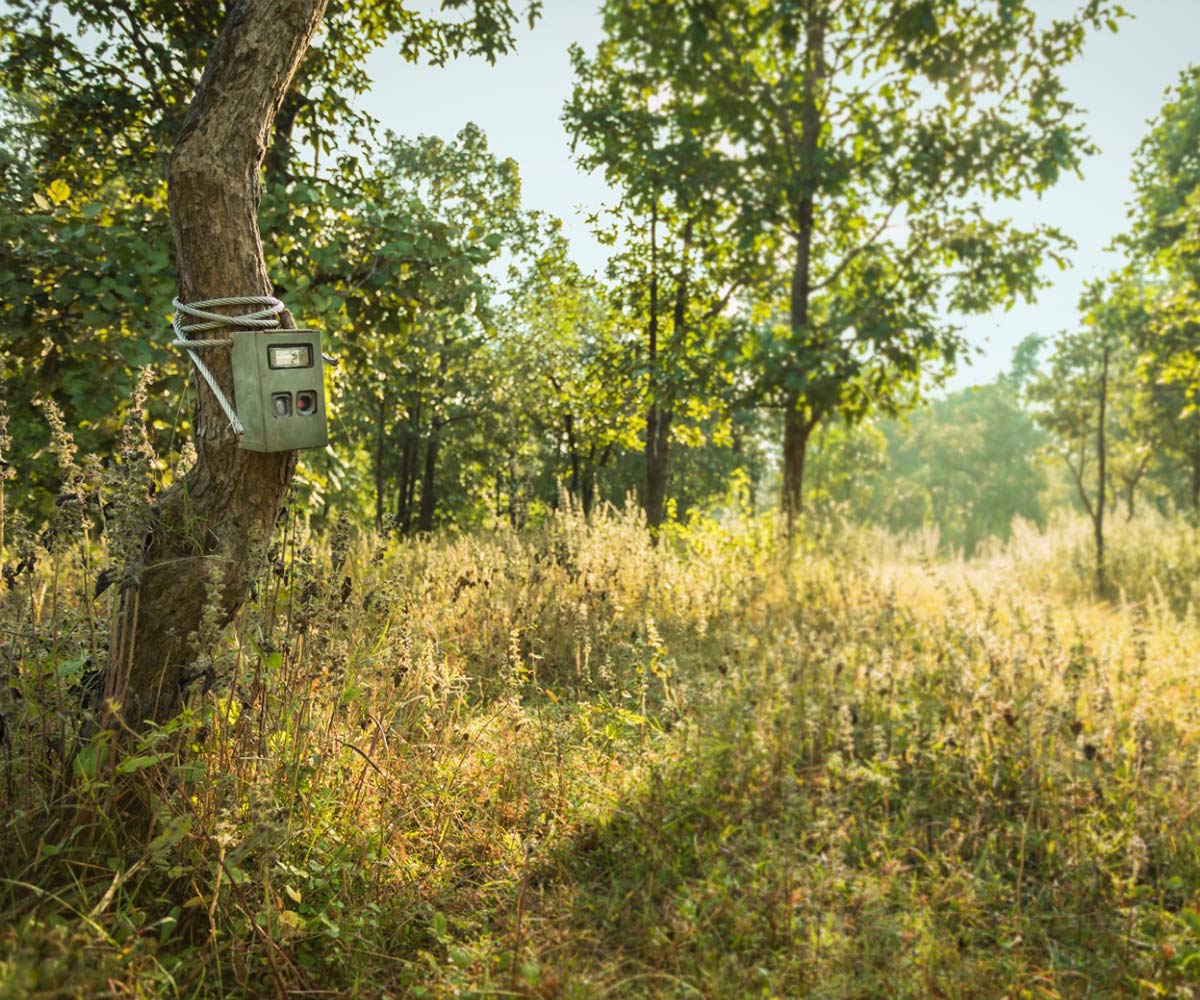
(306, 403)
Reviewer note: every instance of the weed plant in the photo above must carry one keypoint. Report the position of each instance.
(568, 762)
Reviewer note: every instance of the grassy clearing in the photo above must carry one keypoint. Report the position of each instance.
(571, 764)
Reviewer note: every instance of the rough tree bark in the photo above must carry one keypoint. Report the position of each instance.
(205, 527)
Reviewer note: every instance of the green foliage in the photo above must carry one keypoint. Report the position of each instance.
(965, 465)
(1163, 245)
(434, 284)
(568, 352)
(94, 95)
(679, 259)
(407, 285)
(868, 156)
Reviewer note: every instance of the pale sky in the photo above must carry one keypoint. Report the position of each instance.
(1119, 82)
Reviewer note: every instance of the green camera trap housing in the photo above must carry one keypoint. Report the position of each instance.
(279, 389)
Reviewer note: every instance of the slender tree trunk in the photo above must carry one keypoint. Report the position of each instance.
(1196, 484)
(798, 426)
(656, 482)
(206, 527)
(410, 493)
(404, 495)
(436, 423)
(1101, 477)
(587, 494)
(516, 501)
(428, 482)
(658, 453)
(573, 483)
(379, 483)
(661, 411)
(1132, 481)
(408, 468)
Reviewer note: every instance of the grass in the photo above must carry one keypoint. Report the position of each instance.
(568, 763)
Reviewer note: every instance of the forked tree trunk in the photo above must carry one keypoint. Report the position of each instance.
(206, 527)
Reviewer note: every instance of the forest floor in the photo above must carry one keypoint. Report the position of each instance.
(569, 763)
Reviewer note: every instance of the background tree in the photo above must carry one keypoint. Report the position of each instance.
(973, 455)
(1164, 247)
(1087, 400)
(966, 464)
(865, 155)
(578, 360)
(412, 283)
(644, 121)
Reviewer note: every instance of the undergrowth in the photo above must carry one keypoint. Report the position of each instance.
(571, 763)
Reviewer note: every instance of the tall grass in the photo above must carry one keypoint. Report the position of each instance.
(571, 763)
(1150, 558)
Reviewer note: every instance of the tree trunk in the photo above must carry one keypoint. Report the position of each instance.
(514, 492)
(573, 483)
(379, 483)
(587, 494)
(410, 490)
(1101, 477)
(661, 413)
(796, 434)
(652, 501)
(408, 468)
(1196, 484)
(1132, 481)
(658, 450)
(798, 428)
(207, 526)
(428, 497)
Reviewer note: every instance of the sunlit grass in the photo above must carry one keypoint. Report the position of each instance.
(571, 763)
